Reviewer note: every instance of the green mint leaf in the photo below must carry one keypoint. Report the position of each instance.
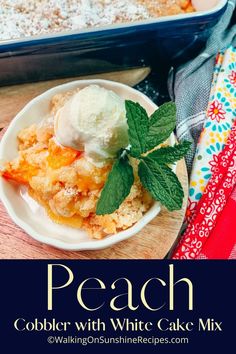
(138, 122)
(170, 154)
(117, 187)
(161, 124)
(161, 182)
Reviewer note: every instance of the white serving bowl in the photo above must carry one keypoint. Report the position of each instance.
(28, 214)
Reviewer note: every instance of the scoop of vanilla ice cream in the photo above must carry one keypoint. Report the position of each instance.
(94, 121)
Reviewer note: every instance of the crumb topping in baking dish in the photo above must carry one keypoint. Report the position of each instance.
(24, 18)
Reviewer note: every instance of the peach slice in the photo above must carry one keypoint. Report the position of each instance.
(75, 221)
(59, 155)
(21, 173)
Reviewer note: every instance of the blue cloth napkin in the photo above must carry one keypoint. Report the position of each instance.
(190, 85)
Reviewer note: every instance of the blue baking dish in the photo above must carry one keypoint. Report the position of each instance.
(158, 43)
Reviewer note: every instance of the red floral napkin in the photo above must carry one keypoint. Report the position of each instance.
(211, 233)
(222, 241)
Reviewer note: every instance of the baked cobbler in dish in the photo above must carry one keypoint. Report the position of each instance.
(24, 18)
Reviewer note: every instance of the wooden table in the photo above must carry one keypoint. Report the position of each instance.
(153, 242)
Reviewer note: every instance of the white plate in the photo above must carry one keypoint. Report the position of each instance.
(30, 216)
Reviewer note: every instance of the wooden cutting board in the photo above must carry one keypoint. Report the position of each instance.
(153, 242)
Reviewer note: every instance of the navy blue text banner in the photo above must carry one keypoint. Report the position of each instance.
(117, 306)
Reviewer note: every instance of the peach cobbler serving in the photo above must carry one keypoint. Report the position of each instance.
(66, 181)
(98, 162)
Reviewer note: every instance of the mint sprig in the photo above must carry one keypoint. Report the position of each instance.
(162, 183)
(161, 125)
(117, 187)
(170, 154)
(137, 119)
(145, 134)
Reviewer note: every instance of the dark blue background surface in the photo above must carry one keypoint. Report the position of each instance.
(23, 293)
